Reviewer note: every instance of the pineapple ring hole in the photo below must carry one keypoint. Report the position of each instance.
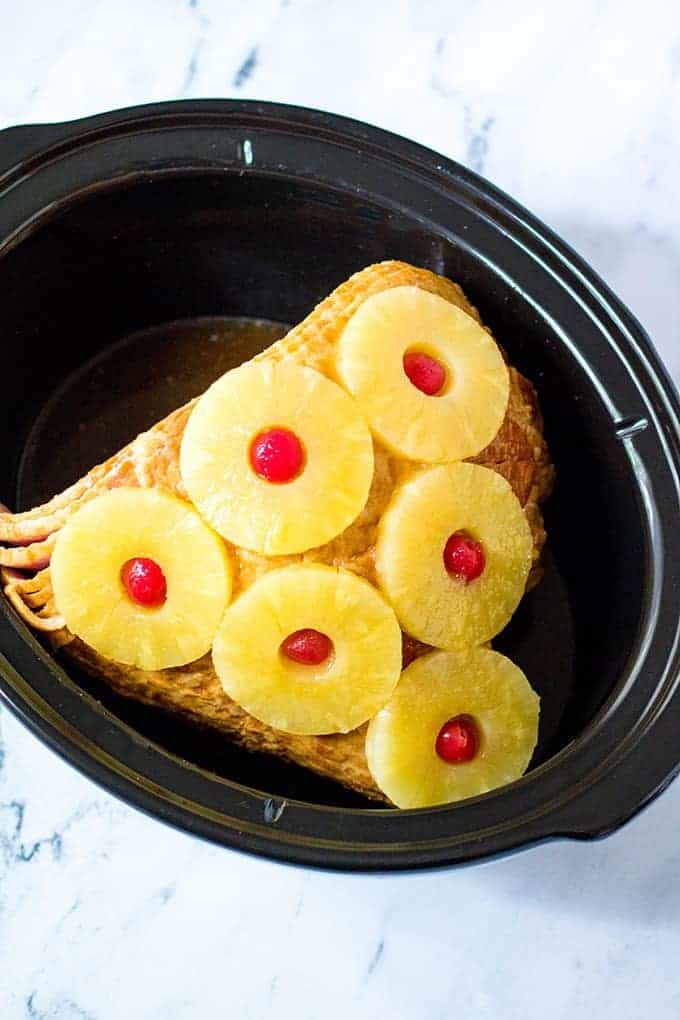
(144, 583)
(459, 740)
(464, 556)
(314, 668)
(283, 461)
(431, 352)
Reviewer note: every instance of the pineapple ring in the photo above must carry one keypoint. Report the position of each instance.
(465, 417)
(334, 697)
(277, 519)
(432, 605)
(401, 738)
(124, 524)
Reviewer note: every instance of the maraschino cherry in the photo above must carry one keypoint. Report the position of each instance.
(464, 557)
(458, 740)
(277, 455)
(308, 647)
(427, 374)
(144, 582)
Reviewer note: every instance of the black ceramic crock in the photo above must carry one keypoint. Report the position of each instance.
(120, 223)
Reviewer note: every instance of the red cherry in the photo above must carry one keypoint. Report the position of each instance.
(464, 557)
(427, 374)
(308, 647)
(276, 455)
(144, 582)
(458, 740)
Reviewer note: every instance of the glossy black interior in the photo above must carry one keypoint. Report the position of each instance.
(134, 257)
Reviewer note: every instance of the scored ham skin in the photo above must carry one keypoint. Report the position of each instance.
(518, 452)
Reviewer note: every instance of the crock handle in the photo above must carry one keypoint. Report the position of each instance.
(651, 763)
(18, 144)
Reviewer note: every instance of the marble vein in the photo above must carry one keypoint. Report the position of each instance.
(246, 70)
(13, 846)
(192, 69)
(478, 145)
(64, 1008)
(376, 958)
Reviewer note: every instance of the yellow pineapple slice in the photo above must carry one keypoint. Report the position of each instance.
(458, 724)
(261, 659)
(141, 578)
(430, 380)
(315, 454)
(439, 508)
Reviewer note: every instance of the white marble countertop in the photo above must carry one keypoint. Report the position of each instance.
(574, 109)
